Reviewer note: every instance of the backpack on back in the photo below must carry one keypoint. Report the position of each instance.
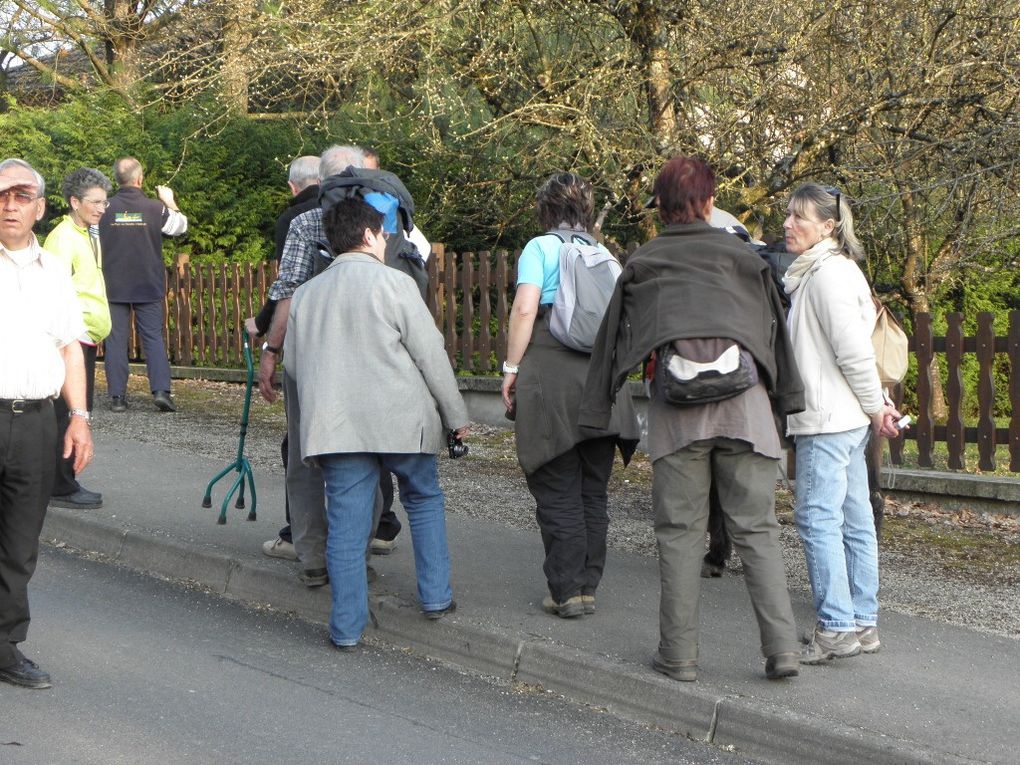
(387, 194)
(588, 275)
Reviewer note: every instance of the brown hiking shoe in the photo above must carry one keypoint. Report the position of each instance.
(568, 609)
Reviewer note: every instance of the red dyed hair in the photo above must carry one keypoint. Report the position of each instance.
(684, 186)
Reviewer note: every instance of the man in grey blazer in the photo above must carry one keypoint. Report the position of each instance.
(376, 391)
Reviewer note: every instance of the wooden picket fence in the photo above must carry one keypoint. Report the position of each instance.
(206, 309)
(471, 300)
(954, 346)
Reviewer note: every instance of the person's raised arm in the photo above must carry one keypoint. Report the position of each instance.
(176, 222)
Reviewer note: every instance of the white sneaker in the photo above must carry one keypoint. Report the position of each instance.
(828, 644)
(868, 638)
(278, 548)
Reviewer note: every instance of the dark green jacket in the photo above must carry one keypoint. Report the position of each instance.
(691, 281)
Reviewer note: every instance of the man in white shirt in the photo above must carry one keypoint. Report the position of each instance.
(40, 323)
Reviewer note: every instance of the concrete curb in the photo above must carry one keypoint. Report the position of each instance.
(767, 732)
(995, 494)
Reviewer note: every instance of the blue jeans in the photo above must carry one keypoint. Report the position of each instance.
(352, 481)
(836, 525)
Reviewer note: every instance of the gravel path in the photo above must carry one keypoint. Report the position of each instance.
(957, 569)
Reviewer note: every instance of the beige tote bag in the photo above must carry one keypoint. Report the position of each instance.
(890, 342)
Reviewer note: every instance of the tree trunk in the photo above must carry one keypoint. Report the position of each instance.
(649, 35)
(661, 109)
(124, 33)
(645, 26)
(5, 58)
(237, 37)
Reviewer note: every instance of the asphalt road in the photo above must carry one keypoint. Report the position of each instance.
(147, 671)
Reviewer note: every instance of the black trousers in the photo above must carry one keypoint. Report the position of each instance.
(285, 534)
(389, 524)
(571, 498)
(26, 478)
(64, 481)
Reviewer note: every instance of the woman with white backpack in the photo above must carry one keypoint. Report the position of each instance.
(567, 467)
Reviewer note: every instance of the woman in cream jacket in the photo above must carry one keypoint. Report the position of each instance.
(831, 320)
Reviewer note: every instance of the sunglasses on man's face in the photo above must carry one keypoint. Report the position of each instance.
(21, 196)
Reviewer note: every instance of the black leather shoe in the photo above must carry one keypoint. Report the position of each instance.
(163, 402)
(781, 665)
(83, 499)
(25, 673)
(118, 404)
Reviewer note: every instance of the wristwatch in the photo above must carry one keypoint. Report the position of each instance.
(266, 347)
(510, 369)
(85, 414)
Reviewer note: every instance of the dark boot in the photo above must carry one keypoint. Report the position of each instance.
(719, 545)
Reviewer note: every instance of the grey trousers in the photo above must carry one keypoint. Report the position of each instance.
(746, 484)
(306, 492)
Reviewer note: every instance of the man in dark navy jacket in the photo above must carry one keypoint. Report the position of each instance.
(132, 233)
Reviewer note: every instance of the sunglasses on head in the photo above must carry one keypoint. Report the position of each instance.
(836, 193)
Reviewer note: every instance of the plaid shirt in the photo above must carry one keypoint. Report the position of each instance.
(299, 253)
(301, 249)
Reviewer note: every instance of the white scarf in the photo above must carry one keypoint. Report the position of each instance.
(807, 262)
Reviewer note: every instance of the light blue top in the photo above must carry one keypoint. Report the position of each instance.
(539, 264)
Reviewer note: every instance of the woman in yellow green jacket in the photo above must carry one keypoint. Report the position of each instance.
(75, 240)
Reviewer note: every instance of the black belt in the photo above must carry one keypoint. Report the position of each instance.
(19, 405)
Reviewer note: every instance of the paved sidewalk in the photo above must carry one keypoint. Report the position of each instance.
(935, 693)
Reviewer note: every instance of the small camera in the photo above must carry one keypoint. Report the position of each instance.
(457, 447)
(903, 422)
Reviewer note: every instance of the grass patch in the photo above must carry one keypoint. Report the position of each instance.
(957, 550)
(940, 459)
(208, 399)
